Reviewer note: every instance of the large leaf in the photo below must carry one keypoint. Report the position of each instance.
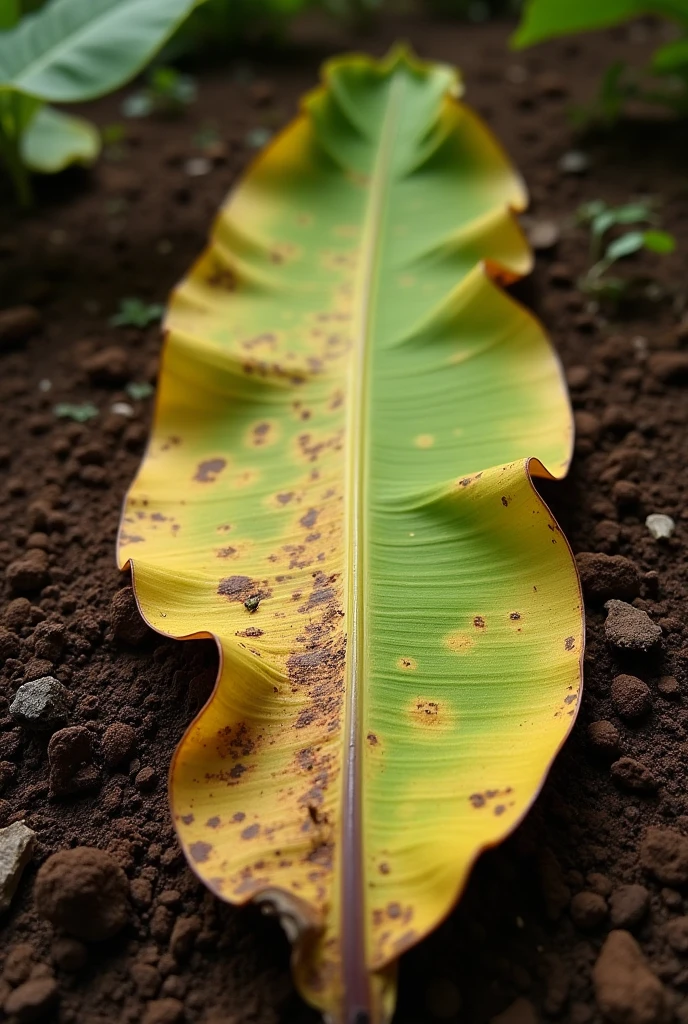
(54, 140)
(73, 50)
(543, 19)
(338, 490)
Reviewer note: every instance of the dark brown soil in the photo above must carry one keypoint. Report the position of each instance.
(537, 910)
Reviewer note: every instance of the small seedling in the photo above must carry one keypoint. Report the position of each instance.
(79, 413)
(137, 313)
(138, 390)
(603, 255)
(69, 51)
(663, 83)
(166, 92)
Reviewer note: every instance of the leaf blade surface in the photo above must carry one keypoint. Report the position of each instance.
(350, 404)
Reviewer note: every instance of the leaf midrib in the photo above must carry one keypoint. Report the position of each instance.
(352, 893)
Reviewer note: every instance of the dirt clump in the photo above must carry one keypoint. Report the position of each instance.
(630, 629)
(83, 891)
(607, 576)
(629, 905)
(631, 698)
(17, 324)
(626, 990)
(664, 853)
(125, 618)
(32, 1000)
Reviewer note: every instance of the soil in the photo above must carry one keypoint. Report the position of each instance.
(529, 929)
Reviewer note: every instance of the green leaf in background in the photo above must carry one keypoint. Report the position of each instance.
(136, 313)
(626, 245)
(54, 140)
(545, 19)
(659, 241)
(9, 14)
(672, 57)
(79, 413)
(73, 50)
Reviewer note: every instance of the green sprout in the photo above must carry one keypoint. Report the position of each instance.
(136, 313)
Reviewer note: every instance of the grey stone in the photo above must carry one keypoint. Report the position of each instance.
(630, 629)
(16, 848)
(41, 704)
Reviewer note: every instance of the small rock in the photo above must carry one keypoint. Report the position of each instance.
(126, 620)
(521, 1011)
(588, 910)
(676, 932)
(543, 234)
(16, 848)
(197, 166)
(630, 629)
(574, 162)
(146, 779)
(668, 687)
(32, 1000)
(69, 954)
(110, 367)
(163, 1011)
(660, 526)
(631, 698)
(119, 744)
(664, 853)
(633, 776)
(604, 739)
(669, 367)
(606, 576)
(41, 704)
(29, 574)
(17, 324)
(70, 756)
(626, 990)
(629, 905)
(83, 891)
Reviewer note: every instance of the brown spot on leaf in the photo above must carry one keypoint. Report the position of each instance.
(479, 622)
(206, 472)
(200, 851)
(213, 822)
(569, 643)
(251, 831)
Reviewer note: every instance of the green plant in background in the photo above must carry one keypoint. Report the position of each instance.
(546, 19)
(604, 254)
(136, 313)
(167, 91)
(67, 52)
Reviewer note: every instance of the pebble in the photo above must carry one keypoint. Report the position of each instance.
(664, 853)
(85, 892)
(16, 849)
(660, 526)
(543, 234)
(17, 324)
(626, 990)
(604, 739)
(574, 162)
(606, 576)
(70, 756)
(41, 704)
(125, 618)
(197, 166)
(633, 776)
(631, 698)
(588, 910)
(630, 629)
(629, 905)
(118, 744)
(32, 1000)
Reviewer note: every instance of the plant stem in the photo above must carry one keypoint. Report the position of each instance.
(17, 172)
